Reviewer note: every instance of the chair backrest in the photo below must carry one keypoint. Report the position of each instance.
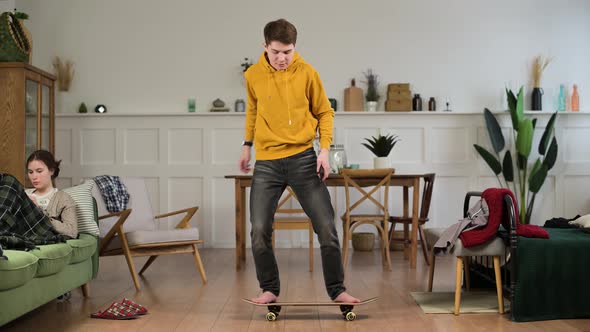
(426, 195)
(141, 217)
(355, 177)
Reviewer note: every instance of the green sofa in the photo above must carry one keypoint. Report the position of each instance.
(31, 279)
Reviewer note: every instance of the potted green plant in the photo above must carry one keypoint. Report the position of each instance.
(381, 146)
(528, 181)
(372, 96)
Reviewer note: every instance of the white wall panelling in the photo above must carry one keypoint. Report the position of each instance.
(185, 157)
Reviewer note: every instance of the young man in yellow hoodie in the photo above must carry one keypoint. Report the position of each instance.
(286, 107)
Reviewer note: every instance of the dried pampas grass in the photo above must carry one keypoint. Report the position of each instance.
(64, 72)
(539, 65)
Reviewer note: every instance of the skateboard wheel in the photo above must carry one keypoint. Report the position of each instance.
(271, 316)
(350, 316)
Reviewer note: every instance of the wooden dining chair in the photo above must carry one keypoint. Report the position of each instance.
(350, 220)
(286, 218)
(406, 220)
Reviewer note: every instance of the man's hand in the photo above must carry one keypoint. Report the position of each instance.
(324, 162)
(244, 163)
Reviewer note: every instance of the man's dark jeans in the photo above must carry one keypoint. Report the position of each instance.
(269, 180)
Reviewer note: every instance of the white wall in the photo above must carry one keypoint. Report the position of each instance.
(150, 56)
(6, 5)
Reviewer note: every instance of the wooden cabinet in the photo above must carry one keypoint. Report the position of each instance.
(27, 115)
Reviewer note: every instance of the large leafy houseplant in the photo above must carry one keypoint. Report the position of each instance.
(528, 180)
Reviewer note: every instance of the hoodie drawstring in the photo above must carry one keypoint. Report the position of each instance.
(287, 95)
(270, 76)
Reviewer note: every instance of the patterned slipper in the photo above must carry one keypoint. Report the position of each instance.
(116, 311)
(139, 309)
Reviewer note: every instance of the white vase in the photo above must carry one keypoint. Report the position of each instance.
(381, 162)
(371, 106)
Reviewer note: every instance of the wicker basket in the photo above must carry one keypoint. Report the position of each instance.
(397, 245)
(363, 241)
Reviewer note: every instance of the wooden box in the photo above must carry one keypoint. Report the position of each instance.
(399, 94)
(398, 105)
(398, 87)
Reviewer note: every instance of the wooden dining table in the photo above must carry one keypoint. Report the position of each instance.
(241, 182)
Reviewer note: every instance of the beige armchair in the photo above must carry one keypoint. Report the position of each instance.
(133, 232)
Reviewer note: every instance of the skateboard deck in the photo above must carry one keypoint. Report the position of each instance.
(275, 307)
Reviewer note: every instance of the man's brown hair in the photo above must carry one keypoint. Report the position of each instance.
(280, 30)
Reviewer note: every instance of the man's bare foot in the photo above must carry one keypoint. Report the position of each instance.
(266, 297)
(344, 297)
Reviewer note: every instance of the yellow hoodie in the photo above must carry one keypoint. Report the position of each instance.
(285, 108)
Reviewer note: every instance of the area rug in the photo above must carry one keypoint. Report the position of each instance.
(471, 302)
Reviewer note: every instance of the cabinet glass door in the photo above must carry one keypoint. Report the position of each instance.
(45, 119)
(30, 117)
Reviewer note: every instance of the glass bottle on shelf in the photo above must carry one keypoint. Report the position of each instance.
(575, 102)
(561, 99)
(337, 158)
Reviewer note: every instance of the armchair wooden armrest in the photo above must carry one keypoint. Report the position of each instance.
(117, 227)
(184, 223)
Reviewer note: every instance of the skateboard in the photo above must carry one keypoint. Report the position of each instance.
(275, 307)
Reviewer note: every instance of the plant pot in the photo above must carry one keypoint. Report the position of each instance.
(537, 99)
(381, 162)
(29, 39)
(372, 106)
(363, 241)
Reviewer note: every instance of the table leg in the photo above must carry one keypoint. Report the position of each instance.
(414, 250)
(240, 192)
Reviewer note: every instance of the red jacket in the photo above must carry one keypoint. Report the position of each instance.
(498, 214)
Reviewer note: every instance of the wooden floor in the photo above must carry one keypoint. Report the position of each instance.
(177, 301)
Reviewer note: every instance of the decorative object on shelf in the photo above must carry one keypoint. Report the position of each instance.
(417, 103)
(246, 64)
(575, 100)
(333, 104)
(219, 106)
(338, 159)
(432, 104)
(399, 97)
(82, 108)
(14, 45)
(192, 105)
(561, 99)
(381, 146)
(448, 103)
(528, 182)
(372, 96)
(100, 108)
(240, 105)
(353, 98)
(539, 65)
(64, 72)
(363, 241)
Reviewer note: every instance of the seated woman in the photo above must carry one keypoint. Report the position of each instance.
(40, 215)
(43, 169)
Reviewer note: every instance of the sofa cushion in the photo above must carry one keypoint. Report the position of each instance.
(52, 258)
(82, 195)
(18, 269)
(82, 248)
(136, 238)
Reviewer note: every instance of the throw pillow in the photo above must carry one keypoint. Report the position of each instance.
(583, 221)
(82, 195)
